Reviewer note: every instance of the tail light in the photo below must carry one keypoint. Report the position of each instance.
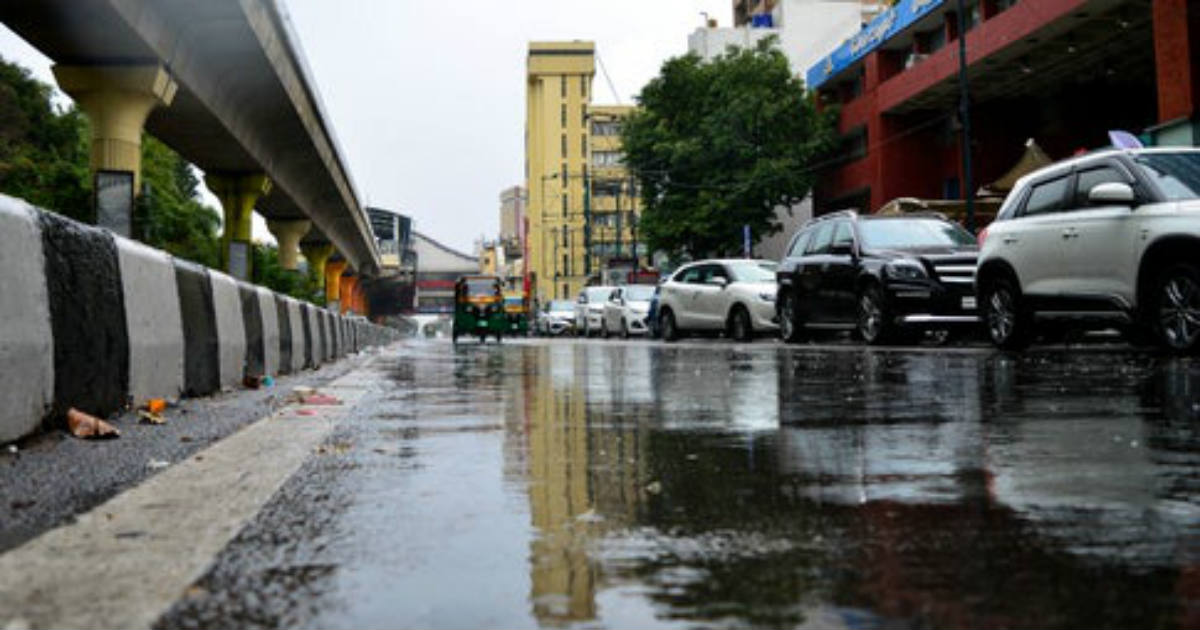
(982, 236)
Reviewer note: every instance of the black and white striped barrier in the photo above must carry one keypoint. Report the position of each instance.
(92, 321)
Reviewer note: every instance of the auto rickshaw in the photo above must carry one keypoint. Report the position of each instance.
(478, 308)
(517, 315)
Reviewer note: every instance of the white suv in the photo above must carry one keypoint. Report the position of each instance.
(1107, 239)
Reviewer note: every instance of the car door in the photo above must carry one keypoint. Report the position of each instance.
(678, 294)
(712, 299)
(810, 283)
(838, 274)
(1032, 242)
(1100, 248)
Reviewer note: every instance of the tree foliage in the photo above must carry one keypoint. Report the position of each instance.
(722, 144)
(170, 216)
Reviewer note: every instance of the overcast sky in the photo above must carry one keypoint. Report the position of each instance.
(427, 98)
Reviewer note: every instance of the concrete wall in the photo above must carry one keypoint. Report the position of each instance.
(90, 321)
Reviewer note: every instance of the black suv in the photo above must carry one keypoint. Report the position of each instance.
(887, 277)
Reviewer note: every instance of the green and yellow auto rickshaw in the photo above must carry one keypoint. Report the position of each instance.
(517, 314)
(478, 308)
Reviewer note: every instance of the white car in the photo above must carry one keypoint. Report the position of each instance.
(626, 310)
(557, 318)
(1105, 240)
(589, 310)
(734, 296)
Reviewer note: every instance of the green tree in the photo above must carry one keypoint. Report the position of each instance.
(43, 151)
(170, 216)
(269, 273)
(722, 144)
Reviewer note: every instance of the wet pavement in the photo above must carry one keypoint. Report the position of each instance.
(706, 484)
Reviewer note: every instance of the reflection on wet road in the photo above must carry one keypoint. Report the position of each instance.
(641, 485)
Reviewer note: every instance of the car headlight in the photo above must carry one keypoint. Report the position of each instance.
(766, 296)
(905, 270)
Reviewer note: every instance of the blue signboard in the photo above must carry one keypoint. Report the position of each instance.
(877, 31)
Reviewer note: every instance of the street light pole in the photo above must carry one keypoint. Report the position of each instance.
(964, 112)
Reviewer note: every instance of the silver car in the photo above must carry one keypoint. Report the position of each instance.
(734, 296)
(557, 318)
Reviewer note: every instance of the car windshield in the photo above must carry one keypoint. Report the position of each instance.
(514, 301)
(560, 306)
(1176, 174)
(639, 292)
(753, 271)
(598, 294)
(913, 234)
(481, 286)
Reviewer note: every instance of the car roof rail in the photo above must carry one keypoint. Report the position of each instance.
(849, 213)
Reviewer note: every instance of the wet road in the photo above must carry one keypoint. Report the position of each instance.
(706, 484)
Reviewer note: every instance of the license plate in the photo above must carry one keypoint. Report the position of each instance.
(968, 303)
(481, 324)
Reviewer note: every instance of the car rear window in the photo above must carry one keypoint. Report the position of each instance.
(639, 292)
(1176, 174)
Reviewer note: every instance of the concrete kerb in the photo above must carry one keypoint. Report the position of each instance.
(297, 336)
(271, 325)
(155, 325)
(231, 329)
(26, 350)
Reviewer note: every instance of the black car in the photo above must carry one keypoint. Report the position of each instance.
(886, 277)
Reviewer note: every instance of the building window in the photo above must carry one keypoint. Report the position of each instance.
(565, 183)
(606, 158)
(566, 242)
(936, 40)
(566, 292)
(583, 145)
(1004, 5)
(565, 204)
(566, 268)
(606, 128)
(583, 115)
(973, 15)
(563, 120)
(583, 86)
(606, 188)
(564, 146)
(563, 87)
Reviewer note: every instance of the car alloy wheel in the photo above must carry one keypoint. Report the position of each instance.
(1007, 326)
(739, 324)
(669, 332)
(1179, 308)
(871, 315)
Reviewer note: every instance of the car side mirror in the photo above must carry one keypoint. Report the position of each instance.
(1111, 193)
(718, 281)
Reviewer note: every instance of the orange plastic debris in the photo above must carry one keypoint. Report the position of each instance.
(156, 405)
(87, 426)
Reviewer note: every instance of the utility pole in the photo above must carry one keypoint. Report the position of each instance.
(964, 112)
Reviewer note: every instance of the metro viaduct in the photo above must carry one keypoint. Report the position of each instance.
(223, 83)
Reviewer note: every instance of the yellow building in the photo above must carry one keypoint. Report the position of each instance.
(558, 91)
(573, 173)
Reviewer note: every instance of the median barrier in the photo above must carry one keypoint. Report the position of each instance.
(26, 345)
(95, 322)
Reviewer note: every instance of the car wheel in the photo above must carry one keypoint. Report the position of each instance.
(667, 324)
(791, 330)
(740, 328)
(1177, 308)
(1007, 323)
(624, 329)
(874, 319)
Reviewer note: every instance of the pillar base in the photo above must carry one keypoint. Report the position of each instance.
(288, 234)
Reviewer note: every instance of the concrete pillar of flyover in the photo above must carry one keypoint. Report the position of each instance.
(349, 294)
(117, 99)
(333, 284)
(317, 256)
(288, 234)
(237, 193)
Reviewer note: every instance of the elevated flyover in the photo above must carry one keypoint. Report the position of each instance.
(227, 87)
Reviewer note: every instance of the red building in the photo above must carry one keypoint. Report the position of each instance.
(1063, 72)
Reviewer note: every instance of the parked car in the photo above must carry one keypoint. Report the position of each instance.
(626, 311)
(1108, 239)
(734, 296)
(589, 309)
(556, 318)
(888, 278)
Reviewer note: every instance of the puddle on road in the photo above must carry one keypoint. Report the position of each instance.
(682, 486)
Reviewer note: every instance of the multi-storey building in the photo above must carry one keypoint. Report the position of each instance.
(611, 205)
(1062, 72)
(558, 92)
(513, 203)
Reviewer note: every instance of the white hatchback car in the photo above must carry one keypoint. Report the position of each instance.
(589, 310)
(735, 296)
(626, 309)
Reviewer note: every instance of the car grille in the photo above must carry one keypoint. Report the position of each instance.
(956, 271)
